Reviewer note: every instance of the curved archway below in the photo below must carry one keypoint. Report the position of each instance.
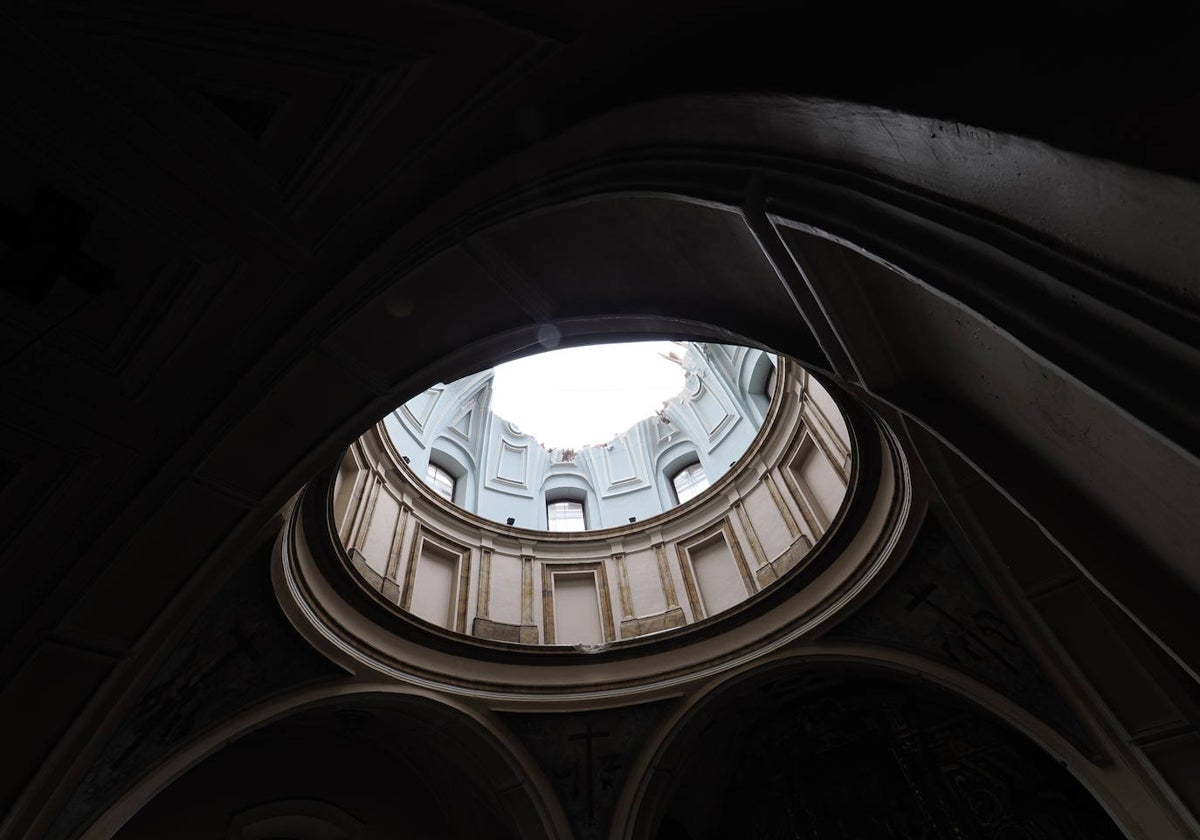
(887, 740)
(358, 762)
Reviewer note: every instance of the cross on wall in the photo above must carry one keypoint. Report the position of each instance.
(588, 736)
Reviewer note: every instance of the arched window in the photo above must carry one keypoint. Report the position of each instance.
(761, 386)
(441, 481)
(690, 482)
(565, 516)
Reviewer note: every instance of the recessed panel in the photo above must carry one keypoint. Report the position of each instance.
(717, 575)
(433, 586)
(577, 610)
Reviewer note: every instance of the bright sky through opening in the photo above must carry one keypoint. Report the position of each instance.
(586, 395)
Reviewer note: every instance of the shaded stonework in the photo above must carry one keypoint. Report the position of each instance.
(240, 651)
(935, 606)
(373, 767)
(885, 760)
(587, 755)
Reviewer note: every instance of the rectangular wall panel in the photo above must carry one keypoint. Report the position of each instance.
(717, 575)
(380, 531)
(434, 586)
(822, 481)
(576, 610)
(644, 583)
(504, 601)
(769, 524)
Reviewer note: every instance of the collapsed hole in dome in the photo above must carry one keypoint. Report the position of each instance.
(581, 396)
(455, 516)
(586, 437)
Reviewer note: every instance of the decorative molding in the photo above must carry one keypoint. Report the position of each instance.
(624, 470)
(511, 465)
(705, 406)
(416, 412)
(462, 425)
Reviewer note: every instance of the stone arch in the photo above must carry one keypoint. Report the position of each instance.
(505, 783)
(642, 811)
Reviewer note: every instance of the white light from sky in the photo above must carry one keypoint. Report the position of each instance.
(580, 396)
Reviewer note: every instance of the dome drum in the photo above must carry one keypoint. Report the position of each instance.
(765, 555)
(508, 584)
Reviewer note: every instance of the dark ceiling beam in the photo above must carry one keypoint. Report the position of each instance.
(799, 286)
(978, 402)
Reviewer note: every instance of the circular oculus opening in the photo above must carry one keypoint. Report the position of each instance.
(586, 438)
(689, 513)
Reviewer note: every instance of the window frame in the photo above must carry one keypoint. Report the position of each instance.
(686, 468)
(582, 519)
(430, 481)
